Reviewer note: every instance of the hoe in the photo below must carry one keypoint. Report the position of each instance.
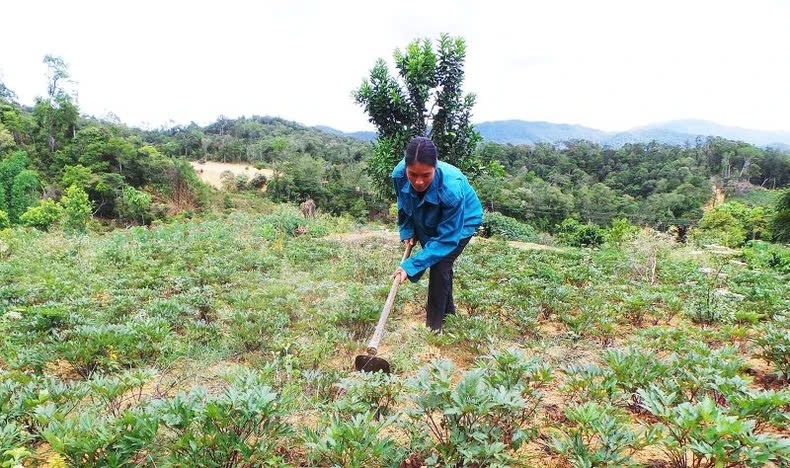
(370, 362)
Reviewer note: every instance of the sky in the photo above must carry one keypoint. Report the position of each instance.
(610, 65)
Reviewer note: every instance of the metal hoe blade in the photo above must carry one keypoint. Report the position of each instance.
(368, 363)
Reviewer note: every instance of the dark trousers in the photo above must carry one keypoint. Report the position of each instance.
(440, 288)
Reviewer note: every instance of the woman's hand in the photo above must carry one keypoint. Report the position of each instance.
(411, 241)
(400, 274)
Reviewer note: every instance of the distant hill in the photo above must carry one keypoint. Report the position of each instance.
(675, 132)
(520, 132)
(704, 127)
(364, 136)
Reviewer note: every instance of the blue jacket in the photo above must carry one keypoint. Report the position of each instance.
(448, 212)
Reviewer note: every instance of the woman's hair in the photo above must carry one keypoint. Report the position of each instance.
(421, 150)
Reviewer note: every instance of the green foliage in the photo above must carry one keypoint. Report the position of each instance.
(702, 434)
(288, 222)
(766, 407)
(399, 107)
(773, 339)
(43, 215)
(77, 209)
(474, 331)
(780, 224)
(108, 348)
(135, 205)
(710, 304)
(359, 313)
(10, 167)
(573, 233)
(761, 254)
(497, 224)
(5, 221)
(356, 442)
(482, 417)
(298, 179)
(89, 440)
(12, 437)
(245, 424)
(620, 231)
(598, 436)
(24, 193)
(731, 224)
(78, 175)
(365, 392)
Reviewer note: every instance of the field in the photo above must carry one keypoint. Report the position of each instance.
(229, 341)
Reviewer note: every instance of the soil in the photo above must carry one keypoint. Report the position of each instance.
(210, 171)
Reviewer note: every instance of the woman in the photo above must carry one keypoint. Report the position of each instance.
(438, 207)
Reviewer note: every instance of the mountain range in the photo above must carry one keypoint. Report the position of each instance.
(676, 132)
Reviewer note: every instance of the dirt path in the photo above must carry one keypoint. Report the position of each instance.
(210, 171)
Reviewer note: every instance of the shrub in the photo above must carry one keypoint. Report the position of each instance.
(257, 182)
(599, 436)
(701, 434)
(78, 209)
(499, 225)
(483, 417)
(761, 254)
(773, 339)
(228, 180)
(89, 440)
(478, 332)
(366, 392)
(5, 221)
(135, 205)
(241, 181)
(572, 232)
(244, 425)
(780, 224)
(12, 436)
(24, 193)
(43, 215)
(620, 231)
(356, 442)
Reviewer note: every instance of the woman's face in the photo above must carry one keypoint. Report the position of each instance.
(420, 176)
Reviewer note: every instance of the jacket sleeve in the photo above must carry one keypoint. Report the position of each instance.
(405, 223)
(447, 240)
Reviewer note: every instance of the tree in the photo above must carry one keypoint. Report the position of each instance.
(43, 215)
(780, 225)
(7, 94)
(78, 209)
(24, 193)
(56, 115)
(135, 204)
(429, 92)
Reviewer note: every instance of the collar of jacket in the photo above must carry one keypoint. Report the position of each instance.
(431, 196)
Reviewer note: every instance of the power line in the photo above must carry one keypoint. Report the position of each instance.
(608, 215)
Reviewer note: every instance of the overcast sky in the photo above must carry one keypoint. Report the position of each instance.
(610, 65)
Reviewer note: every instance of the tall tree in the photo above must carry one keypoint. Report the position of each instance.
(56, 115)
(425, 98)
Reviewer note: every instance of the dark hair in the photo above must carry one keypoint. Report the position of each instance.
(421, 150)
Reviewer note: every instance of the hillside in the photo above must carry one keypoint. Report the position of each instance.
(676, 132)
